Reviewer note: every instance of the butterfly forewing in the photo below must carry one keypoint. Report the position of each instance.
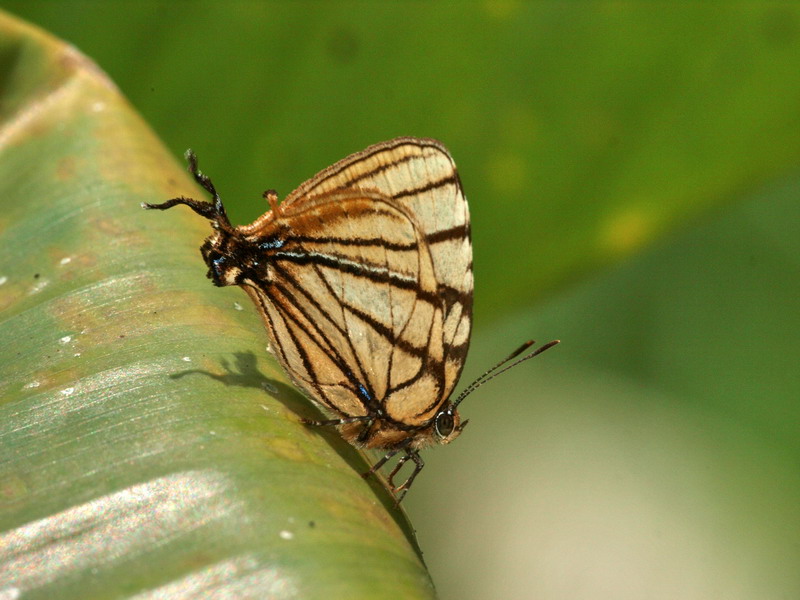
(420, 175)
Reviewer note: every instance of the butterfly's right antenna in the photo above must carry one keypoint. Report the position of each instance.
(493, 372)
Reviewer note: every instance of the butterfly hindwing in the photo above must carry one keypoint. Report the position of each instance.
(356, 317)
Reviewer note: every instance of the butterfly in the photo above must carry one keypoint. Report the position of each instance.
(363, 278)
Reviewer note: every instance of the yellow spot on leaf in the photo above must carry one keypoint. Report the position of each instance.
(507, 173)
(502, 9)
(625, 232)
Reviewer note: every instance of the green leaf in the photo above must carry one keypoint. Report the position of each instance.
(148, 440)
(583, 132)
(655, 449)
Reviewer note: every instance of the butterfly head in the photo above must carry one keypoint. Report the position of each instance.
(447, 424)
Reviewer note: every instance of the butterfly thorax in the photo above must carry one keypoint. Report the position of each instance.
(385, 434)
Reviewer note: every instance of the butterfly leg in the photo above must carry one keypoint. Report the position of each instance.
(406, 485)
(409, 455)
(362, 437)
(381, 462)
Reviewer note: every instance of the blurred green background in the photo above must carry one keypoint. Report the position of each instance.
(633, 172)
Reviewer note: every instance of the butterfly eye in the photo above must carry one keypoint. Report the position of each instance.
(445, 423)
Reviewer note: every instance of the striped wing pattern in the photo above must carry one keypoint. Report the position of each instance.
(419, 175)
(355, 319)
(368, 293)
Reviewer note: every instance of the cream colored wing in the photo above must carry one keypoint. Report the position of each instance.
(420, 175)
(352, 306)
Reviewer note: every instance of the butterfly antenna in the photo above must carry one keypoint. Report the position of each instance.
(493, 372)
(511, 356)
